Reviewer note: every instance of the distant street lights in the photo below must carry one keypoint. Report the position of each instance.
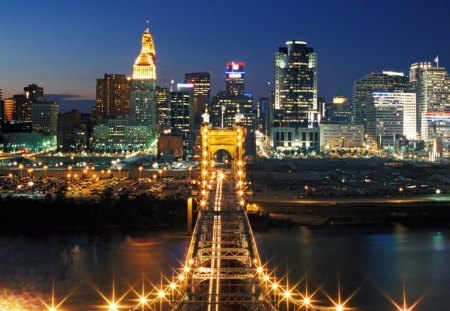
(306, 194)
(438, 191)
(160, 172)
(30, 171)
(140, 171)
(20, 169)
(119, 169)
(190, 172)
(402, 192)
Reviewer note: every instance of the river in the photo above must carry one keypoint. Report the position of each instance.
(371, 262)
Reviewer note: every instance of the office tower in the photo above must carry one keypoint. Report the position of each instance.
(262, 113)
(224, 109)
(66, 130)
(113, 97)
(334, 135)
(44, 117)
(295, 83)
(394, 116)
(235, 79)
(162, 96)
(386, 81)
(23, 102)
(202, 92)
(341, 110)
(143, 103)
(8, 109)
(414, 72)
(433, 99)
(182, 109)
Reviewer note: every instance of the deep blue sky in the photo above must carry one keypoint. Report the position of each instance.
(65, 45)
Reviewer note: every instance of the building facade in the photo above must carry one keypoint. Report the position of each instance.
(433, 95)
(44, 118)
(201, 82)
(394, 116)
(143, 98)
(386, 81)
(341, 135)
(113, 97)
(295, 83)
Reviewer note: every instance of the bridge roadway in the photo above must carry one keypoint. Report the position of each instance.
(222, 259)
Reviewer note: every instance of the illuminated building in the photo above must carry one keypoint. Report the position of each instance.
(433, 95)
(414, 73)
(202, 92)
(386, 81)
(341, 135)
(113, 97)
(8, 109)
(44, 118)
(225, 106)
(293, 139)
(295, 83)
(235, 79)
(23, 102)
(181, 118)
(143, 102)
(394, 117)
(341, 110)
(163, 109)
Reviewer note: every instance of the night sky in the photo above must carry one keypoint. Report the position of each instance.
(65, 45)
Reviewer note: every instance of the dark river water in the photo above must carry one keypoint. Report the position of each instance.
(368, 263)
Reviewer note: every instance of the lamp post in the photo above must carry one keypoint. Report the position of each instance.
(402, 192)
(45, 170)
(190, 172)
(20, 169)
(30, 170)
(140, 171)
(119, 169)
(160, 172)
(306, 193)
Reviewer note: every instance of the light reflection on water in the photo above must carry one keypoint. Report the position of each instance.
(374, 259)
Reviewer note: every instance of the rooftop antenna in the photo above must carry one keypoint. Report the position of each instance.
(147, 22)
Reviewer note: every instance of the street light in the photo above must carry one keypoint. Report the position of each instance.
(190, 172)
(20, 168)
(306, 193)
(140, 171)
(119, 168)
(45, 170)
(30, 170)
(160, 172)
(438, 191)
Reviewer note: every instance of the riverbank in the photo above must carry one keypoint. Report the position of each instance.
(348, 212)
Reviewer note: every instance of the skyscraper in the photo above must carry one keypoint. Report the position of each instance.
(45, 117)
(23, 102)
(143, 103)
(341, 110)
(295, 83)
(394, 116)
(202, 92)
(386, 81)
(433, 96)
(182, 110)
(235, 79)
(163, 109)
(113, 97)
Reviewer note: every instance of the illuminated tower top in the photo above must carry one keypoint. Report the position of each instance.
(144, 67)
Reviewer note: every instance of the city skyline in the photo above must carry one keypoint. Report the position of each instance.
(80, 43)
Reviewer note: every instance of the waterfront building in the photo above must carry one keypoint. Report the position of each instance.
(394, 117)
(386, 81)
(113, 97)
(295, 139)
(433, 96)
(341, 135)
(295, 83)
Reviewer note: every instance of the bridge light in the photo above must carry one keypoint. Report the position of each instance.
(306, 301)
(259, 270)
(143, 300)
(186, 269)
(339, 307)
(287, 294)
(265, 277)
(242, 202)
(181, 277)
(161, 294)
(241, 192)
(191, 261)
(274, 286)
(112, 306)
(173, 285)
